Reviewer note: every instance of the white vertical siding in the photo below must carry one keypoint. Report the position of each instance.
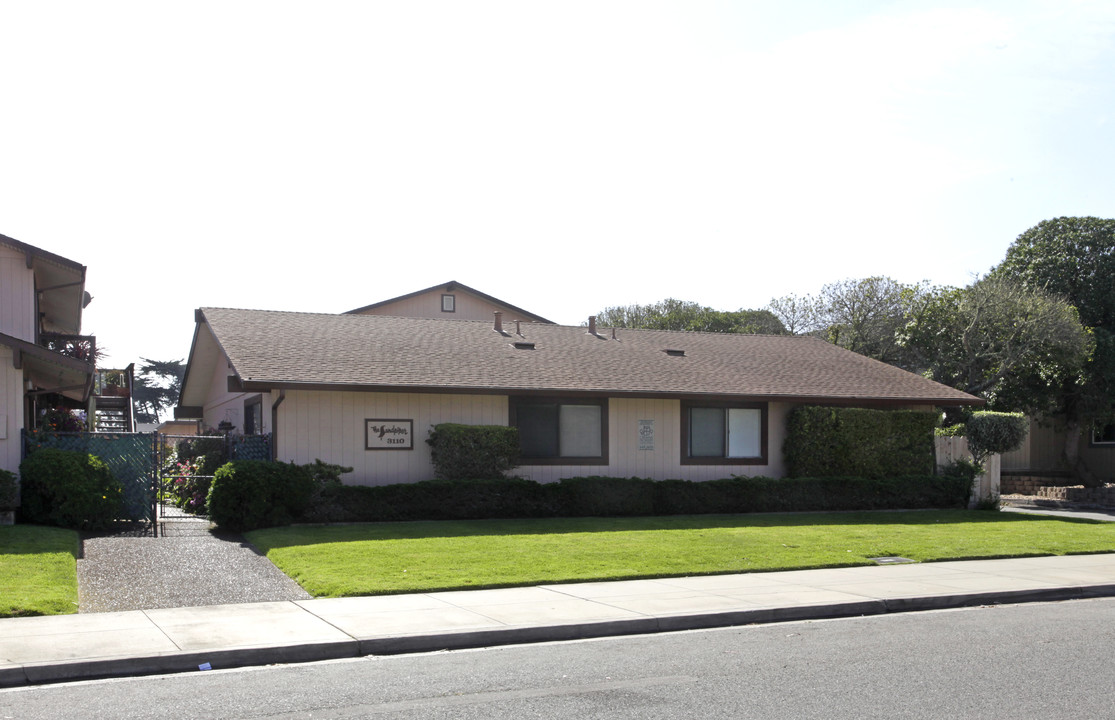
(330, 426)
(17, 295)
(11, 411)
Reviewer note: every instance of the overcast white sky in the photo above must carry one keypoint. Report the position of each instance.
(563, 156)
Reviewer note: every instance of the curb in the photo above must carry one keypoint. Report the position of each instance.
(191, 661)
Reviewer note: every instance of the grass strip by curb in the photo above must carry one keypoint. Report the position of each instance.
(39, 570)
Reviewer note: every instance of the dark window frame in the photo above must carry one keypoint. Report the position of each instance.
(1105, 429)
(764, 436)
(517, 401)
(452, 304)
(249, 411)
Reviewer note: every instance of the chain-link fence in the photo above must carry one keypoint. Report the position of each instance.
(146, 464)
(130, 457)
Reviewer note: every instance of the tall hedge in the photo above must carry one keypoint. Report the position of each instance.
(473, 452)
(826, 442)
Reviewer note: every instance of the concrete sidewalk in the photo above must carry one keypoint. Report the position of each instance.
(84, 646)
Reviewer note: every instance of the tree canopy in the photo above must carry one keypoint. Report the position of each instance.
(673, 314)
(1074, 257)
(984, 337)
(862, 315)
(157, 385)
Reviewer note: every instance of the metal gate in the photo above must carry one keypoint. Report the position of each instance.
(187, 464)
(186, 467)
(164, 477)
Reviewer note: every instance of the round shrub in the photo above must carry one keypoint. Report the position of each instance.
(251, 494)
(69, 489)
(995, 432)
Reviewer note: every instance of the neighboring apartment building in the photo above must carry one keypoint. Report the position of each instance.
(42, 296)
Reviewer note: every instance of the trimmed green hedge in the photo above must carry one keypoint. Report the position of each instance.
(831, 442)
(69, 489)
(612, 497)
(473, 452)
(995, 432)
(251, 494)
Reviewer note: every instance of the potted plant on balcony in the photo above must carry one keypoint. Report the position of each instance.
(114, 384)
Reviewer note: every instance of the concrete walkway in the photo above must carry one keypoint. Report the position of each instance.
(94, 645)
(187, 565)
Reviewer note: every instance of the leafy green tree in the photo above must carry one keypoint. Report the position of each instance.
(156, 389)
(865, 316)
(1074, 257)
(987, 338)
(798, 314)
(672, 314)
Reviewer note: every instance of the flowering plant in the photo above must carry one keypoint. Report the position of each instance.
(61, 419)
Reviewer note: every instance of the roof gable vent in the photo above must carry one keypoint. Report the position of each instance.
(674, 353)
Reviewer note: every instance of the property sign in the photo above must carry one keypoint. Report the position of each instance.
(646, 434)
(388, 434)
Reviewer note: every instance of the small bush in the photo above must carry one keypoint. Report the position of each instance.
(9, 490)
(252, 494)
(69, 489)
(995, 432)
(957, 430)
(473, 452)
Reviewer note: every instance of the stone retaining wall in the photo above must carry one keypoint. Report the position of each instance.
(1090, 496)
(1029, 484)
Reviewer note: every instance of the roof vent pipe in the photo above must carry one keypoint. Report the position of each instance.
(591, 324)
(517, 330)
(614, 334)
(499, 321)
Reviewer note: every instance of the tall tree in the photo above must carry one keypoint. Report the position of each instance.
(865, 315)
(1074, 257)
(673, 314)
(157, 386)
(985, 338)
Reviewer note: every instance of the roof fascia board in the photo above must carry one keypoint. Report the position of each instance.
(237, 384)
(33, 252)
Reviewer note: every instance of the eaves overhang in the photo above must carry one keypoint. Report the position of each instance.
(50, 371)
(239, 384)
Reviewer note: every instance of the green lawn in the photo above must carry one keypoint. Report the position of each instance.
(38, 570)
(350, 560)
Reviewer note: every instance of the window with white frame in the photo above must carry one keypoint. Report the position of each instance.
(723, 433)
(561, 431)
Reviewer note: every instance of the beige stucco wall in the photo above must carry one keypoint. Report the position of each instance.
(17, 295)
(330, 426)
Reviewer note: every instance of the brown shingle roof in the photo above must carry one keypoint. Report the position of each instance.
(285, 349)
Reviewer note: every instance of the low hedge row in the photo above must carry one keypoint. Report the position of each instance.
(609, 497)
